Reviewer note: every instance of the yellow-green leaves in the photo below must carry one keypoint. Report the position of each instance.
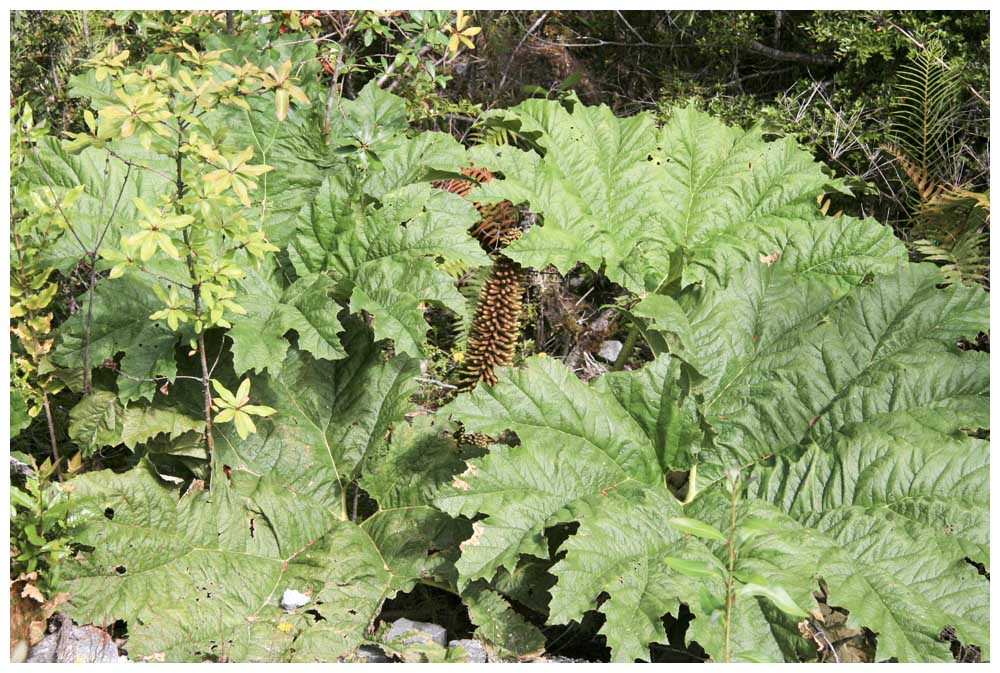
(175, 312)
(237, 408)
(202, 60)
(281, 81)
(143, 111)
(217, 299)
(202, 91)
(461, 32)
(257, 244)
(108, 62)
(47, 202)
(31, 292)
(696, 528)
(154, 225)
(80, 141)
(122, 259)
(235, 173)
(246, 80)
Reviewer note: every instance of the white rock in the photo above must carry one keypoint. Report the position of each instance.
(609, 350)
(292, 599)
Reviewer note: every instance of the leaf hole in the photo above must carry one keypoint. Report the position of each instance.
(979, 567)
(109, 513)
(317, 617)
(120, 569)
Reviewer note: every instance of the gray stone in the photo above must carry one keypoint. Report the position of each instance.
(609, 350)
(75, 644)
(20, 469)
(425, 632)
(372, 654)
(474, 652)
(292, 599)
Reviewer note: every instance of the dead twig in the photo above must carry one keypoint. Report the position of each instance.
(513, 54)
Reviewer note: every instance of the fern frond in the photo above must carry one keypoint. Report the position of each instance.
(966, 260)
(956, 197)
(493, 132)
(927, 186)
(924, 117)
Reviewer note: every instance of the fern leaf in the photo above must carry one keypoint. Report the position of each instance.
(964, 260)
(923, 121)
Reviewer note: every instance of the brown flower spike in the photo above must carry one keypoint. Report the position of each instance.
(494, 330)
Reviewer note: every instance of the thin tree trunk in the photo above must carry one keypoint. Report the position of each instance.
(206, 389)
(330, 97)
(87, 378)
(52, 436)
(86, 29)
(196, 291)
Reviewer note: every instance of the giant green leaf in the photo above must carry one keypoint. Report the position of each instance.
(384, 259)
(726, 186)
(594, 187)
(408, 469)
(906, 502)
(504, 632)
(120, 324)
(106, 206)
(581, 448)
(863, 519)
(293, 148)
(95, 421)
(789, 362)
(622, 196)
(330, 415)
(100, 420)
(273, 308)
(374, 121)
(198, 573)
(19, 418)
(861, 396)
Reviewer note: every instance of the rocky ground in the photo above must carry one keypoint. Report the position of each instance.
(67, 642)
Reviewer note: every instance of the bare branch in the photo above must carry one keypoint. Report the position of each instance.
(789, 56)
(333, 87)
(510, 61)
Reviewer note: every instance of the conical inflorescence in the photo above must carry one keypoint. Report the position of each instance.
(494, 330)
